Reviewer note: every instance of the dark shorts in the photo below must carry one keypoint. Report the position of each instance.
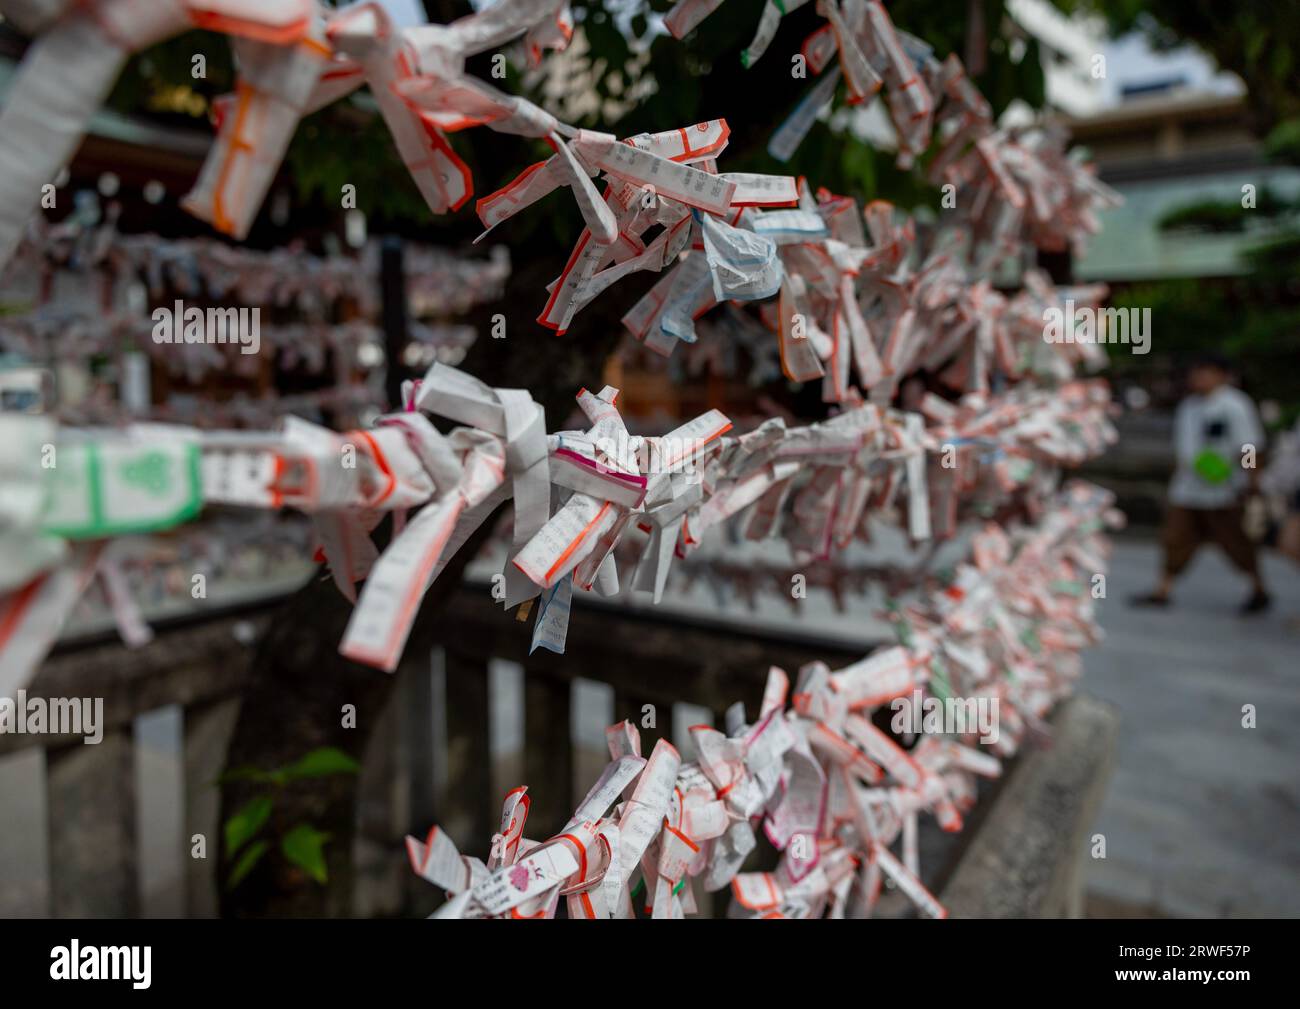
(1187, 528)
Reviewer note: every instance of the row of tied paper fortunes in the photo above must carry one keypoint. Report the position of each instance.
(439, 283)
(82, 288)
(1012, 179)
(869, 53)
(596, 147)
(81, 488)
(840, 305)
(836, 303)
(837, 300)
(294, 57)
(831, 792)
(1011, 336)
(314, 348)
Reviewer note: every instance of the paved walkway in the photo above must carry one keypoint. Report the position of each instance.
(1202, 817)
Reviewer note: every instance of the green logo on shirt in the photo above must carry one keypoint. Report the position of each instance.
(1212, 467)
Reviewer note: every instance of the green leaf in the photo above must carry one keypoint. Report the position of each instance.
(304, 847)
(247, 860)
(247, 822)
(1283, 142)
(321, 762)
(245, 773)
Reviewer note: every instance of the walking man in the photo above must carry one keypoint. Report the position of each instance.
(1211, 428)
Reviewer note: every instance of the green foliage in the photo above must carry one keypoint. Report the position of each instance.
(246, 863)
(1254, 320)
(303, 845)
(245, 824)
(324, 760)
(1249, 319)
(1277, 259)
(321, 762)
(1226, 216)
(344, 144)
(157, 80)
(1283, 142)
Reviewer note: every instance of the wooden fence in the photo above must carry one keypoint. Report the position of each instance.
(105, 830)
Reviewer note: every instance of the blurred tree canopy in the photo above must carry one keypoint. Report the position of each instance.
(1254, 319)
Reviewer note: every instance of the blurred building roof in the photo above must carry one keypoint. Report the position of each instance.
(1067, 45)
(1163, 151)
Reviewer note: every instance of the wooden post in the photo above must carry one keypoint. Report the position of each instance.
(424, 700)
(548, 752)
(207, 734)
(92, 829)
(470, 812)
(24, 840)
(161, 853)
(415, 689)
(383, 796)
(392, 289)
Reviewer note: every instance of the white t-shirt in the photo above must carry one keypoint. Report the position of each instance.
(1221, 422)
